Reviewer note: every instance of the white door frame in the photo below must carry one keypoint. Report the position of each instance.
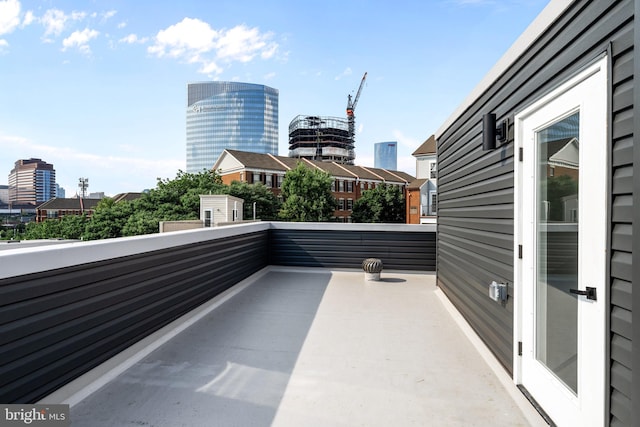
(589, 88)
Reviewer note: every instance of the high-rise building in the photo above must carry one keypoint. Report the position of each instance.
(321, 138)
(32, 181)
(233, 115)
(385, 155)
(60, 192)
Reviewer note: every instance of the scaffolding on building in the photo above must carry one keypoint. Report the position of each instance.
(321, 138)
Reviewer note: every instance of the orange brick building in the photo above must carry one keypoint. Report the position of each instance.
(350, 181)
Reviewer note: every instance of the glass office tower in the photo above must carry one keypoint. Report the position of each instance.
(233, 115)
(386, 155)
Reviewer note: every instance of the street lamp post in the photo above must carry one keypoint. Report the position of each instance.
(83, 184)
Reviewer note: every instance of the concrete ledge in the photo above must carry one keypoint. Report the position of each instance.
(18, 261)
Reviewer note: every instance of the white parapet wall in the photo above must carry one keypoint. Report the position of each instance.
(16, 262)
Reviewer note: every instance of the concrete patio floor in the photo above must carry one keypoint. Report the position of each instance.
(306, 347)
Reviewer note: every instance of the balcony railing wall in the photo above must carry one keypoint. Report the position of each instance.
(400, 247)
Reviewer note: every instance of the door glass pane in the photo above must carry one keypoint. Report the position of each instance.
(557, 248)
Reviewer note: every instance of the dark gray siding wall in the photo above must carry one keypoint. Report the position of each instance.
(622, 118)
(347, 249)
(475, 215)
(56, 325)
(626, 150)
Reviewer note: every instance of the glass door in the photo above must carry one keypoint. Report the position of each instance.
(561, 228)
(558, 171)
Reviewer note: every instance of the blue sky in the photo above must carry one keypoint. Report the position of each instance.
(98, 88)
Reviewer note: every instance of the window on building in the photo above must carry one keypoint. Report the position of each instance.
(341, 204)
(280, 178)
(433, 170)
(349, 204)
(341, 186)
(207, 218)
(256, 177)
(333, 186)
(433, 203)
(268, 181)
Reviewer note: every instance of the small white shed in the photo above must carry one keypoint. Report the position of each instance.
(219, 208)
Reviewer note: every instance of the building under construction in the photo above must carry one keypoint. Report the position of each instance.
(327, 139)
(321, 138)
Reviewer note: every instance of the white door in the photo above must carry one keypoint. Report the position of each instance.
(560, 238)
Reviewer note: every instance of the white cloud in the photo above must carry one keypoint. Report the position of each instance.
(54, 21)
(80, 40)
(9, 15)
(210, 67)
(187, 38)
(78, 16)
(345, 73)
(406, 140)
(122, 25)
(195, 42)
(242, 44)
(28, 18)
(108, 15)
(269, 76)
(133, 38)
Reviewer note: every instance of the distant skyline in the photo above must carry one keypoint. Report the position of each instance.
(99, 89)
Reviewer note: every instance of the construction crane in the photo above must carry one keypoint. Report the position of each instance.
(351, 107)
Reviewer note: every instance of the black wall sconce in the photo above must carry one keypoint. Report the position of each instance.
(491, 133)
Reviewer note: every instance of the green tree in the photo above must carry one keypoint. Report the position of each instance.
(384, 203)
(307, 195)
(145, 222)
(108, 219)
(267, 204)
(67, 227)
(172, 200)
(179, 198)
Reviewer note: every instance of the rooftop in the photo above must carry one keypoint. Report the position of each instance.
(306, 346)
(283, 163)
(427, 147)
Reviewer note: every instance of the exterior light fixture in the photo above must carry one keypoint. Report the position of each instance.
(491, 133)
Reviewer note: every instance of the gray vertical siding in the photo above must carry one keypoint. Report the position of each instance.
(57, 324)
(475, 216)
